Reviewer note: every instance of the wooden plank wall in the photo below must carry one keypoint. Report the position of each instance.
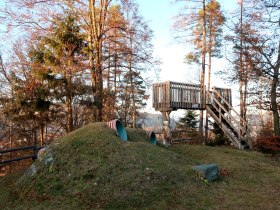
(161, 95)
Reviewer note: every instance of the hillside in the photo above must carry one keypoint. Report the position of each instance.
(92, 169)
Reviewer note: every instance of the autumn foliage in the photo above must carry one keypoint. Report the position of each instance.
(268, 144)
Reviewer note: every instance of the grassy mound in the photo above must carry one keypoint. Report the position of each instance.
(93, 169)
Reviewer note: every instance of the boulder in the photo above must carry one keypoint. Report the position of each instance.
(207, 172)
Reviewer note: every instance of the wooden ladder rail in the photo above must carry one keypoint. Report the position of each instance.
(245, 124)
(231, 136)
(221, 117)
(232, 121)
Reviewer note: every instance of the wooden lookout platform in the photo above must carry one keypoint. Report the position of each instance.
(175, 95)
(169, 96)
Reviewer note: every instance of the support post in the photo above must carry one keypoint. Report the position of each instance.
(166, 126)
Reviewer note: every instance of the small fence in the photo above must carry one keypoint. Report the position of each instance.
(179, 136)
(183, 136)
(33, 156)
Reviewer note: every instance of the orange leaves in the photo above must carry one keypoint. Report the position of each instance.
(268, 144)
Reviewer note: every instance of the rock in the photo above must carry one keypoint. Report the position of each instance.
(44, 159)
(45, 155)
(42, 152)
(208, 172)
(30, 171)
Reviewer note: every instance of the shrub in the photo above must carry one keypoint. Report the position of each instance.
(268, 144)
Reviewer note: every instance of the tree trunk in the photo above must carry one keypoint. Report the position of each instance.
(115, 67)
(210, 46)
(46, 134)
(132, 85)
(99, 80)
(115, 74)
(42, 135)
(273, 97)
(245, 93)
(91, 54)
(69, 108)
(274, 103)
(69, 125)
(241, 71)
(208, 87)
(202, 93)
(98, 19)
(109, 66)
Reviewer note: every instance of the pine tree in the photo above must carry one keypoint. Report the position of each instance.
(61, 55)
(187, 125)
(219, 136)
(189, 120)
(132, 97)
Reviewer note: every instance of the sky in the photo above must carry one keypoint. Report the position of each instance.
(160, 16)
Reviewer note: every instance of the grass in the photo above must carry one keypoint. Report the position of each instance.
(93, 169)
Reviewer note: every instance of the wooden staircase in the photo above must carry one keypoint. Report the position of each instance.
(235, 127)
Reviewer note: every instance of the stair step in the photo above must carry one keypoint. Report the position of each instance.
(227, 127)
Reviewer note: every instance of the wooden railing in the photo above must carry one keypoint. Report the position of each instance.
(176, 95)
